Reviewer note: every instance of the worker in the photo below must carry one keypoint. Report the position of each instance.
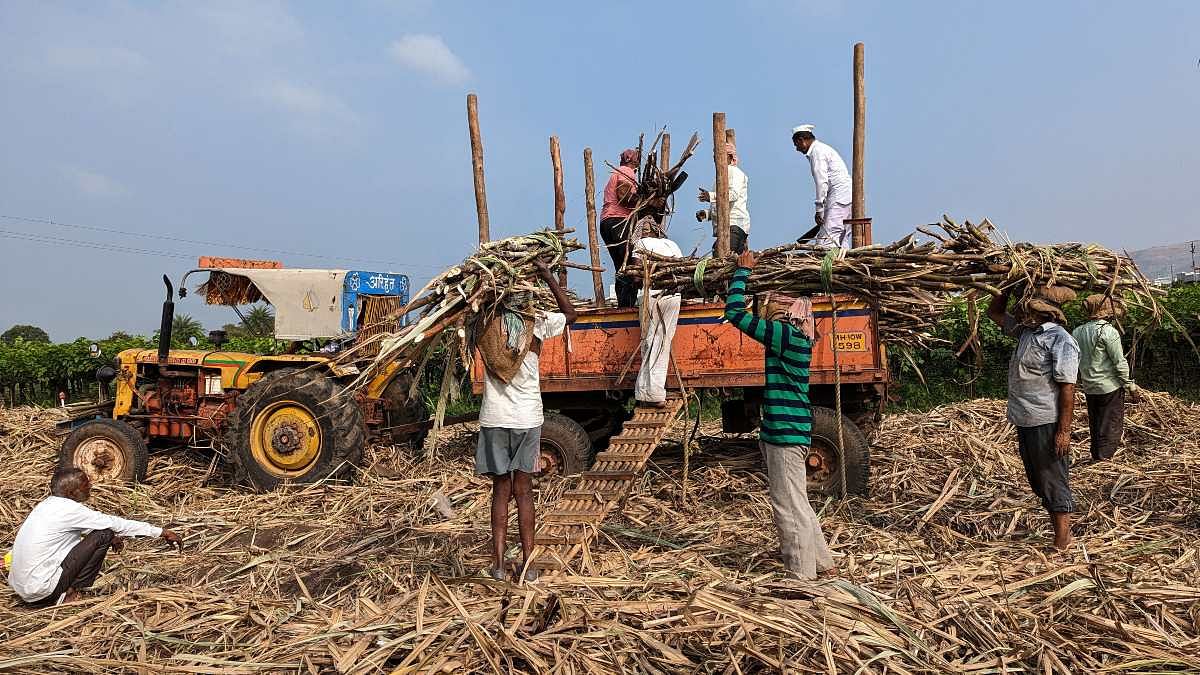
(1041, 396)
(1103, 373)
(620, 198)
(62, 544)
(739, 204)
(659, 317)
(832, 183)
(786, 331)
(510, 428)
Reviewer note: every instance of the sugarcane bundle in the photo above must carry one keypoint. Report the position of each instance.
(499, 275)
(913, 280)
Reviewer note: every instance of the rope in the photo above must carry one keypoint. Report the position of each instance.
(827, 282)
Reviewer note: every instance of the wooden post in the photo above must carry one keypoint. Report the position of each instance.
(731, 137)
(560, 198)
(481, 210)
(593, 242)
(721, 160)
(858, 200)
(664, 161)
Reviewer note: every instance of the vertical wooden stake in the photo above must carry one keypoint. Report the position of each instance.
(721, 160)
(560, 198)
(858, 200)
(481, 210)
(593, 246)
(664, 161)
(731, 137)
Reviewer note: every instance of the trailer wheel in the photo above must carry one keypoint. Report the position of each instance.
(295, 426)
(566, 448)
(822, 462)
(108, 451)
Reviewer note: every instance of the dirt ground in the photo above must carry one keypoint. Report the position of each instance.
(945, 567)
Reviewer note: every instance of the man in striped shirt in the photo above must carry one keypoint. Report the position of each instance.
(786, 429)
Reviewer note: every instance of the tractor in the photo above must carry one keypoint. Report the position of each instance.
(287, 418)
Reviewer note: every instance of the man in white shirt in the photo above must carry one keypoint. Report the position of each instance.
(62, 543)
(833, 188)
(659, 316)
(739, 204)
(510, 430)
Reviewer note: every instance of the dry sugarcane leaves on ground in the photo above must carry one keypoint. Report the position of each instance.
(945, 568)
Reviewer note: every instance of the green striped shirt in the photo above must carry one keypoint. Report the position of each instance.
(786, 412)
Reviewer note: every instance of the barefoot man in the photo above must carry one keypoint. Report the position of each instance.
(62, 543)
(510, 428)
(1041, 396)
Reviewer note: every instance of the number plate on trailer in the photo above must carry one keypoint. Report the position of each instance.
(852, 342)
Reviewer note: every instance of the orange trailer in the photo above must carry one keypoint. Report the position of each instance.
(588, 376)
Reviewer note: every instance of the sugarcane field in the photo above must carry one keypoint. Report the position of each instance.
(394, 384)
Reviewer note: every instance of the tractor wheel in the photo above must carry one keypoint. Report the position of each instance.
(294, 426)
(822, 462)
(566, 448)
(108, 451)
(400, 409)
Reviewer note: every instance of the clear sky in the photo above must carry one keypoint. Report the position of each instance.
(338, 130)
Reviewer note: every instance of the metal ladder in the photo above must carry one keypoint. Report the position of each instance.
(567, 528)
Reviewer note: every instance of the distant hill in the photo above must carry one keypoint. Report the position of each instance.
(1158, 261)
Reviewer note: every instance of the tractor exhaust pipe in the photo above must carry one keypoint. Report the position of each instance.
(164, 329)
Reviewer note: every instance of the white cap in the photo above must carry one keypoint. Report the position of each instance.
(802, 127)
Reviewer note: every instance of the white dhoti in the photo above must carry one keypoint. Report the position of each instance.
(659, 317)
(801, 540)
(835, 233)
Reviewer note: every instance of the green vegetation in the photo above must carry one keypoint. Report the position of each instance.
(1162, 359)
(23, 332)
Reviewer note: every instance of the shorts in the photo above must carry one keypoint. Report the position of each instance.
(501, 451)
(1048, 474)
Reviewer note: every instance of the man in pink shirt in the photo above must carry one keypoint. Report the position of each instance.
(620, 196)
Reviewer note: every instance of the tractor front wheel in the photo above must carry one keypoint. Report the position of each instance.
(108, 451)
(294, 426)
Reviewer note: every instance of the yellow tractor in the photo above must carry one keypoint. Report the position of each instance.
(277, 419)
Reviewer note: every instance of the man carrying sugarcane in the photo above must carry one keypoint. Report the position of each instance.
(786, 331)
(659, 317)
(61, 546)
(1103, 373)
(832, 183)
(1041, 396)
(739, 204)
(620, 198)
(510, 417)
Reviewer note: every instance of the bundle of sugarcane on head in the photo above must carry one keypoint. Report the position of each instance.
(913, 281)
(500, 277)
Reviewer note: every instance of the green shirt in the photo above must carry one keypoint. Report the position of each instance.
(1102, 365)
(787, 413)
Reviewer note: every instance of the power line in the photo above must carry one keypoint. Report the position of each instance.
(198, 242)
(49, 239)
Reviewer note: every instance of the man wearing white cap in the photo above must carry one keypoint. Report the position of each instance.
(832, 182)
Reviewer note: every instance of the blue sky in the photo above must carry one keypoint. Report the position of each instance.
(339, 129)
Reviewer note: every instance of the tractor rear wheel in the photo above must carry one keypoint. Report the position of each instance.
(108, 451)
(822, 462)
(294, 426)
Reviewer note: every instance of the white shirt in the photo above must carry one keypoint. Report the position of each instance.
(518, 403)
(830, 177)
(52, 529)
(661, 246)
(739, 200)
